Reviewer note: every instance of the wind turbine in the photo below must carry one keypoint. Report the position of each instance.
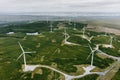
(111, 40)
(69, 21)
(75, 21)
(92, 55)
(83, 30)
(65, 34)
(105, 32)
(74, 26)
(23, 54)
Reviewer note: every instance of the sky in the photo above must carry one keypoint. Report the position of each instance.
(21, 6)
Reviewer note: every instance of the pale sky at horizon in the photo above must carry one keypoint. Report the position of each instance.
(59, 6)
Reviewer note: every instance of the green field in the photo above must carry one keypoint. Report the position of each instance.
(49, 50)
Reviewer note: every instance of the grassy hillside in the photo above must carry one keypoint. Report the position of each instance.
(48, 50)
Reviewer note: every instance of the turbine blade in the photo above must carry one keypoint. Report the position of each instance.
(19, 56)
(89, 56)
(31, 52)
(21, 46)
(90, 47)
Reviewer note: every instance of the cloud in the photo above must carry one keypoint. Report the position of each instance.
(59, 6)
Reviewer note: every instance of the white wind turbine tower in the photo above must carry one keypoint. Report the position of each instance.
(23, 54)
(83, 30)
(111, 40)
(74, 26)
(69, 21)
(65, 34)
(105, 32)
(74, 22)
(92, 55)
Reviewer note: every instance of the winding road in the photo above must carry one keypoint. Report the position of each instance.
(87, 71)
(70, 77)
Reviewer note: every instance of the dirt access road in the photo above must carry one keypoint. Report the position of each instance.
(112, 72)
